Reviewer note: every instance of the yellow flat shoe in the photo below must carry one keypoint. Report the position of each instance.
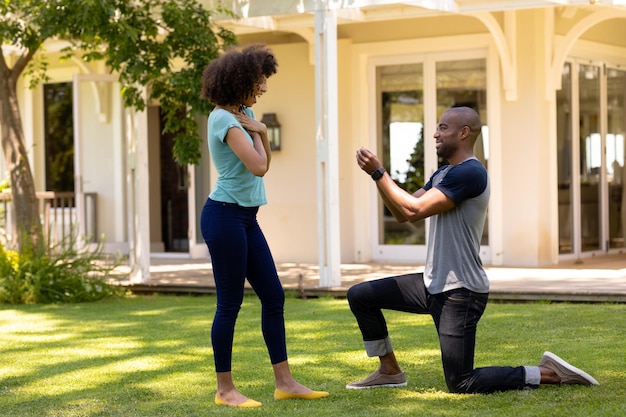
(279, 394)
(249, 403)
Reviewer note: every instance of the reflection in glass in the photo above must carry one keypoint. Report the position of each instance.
(59, 136)
(464, 83)
(615, 156)
(564, 153)
(601, 157)
(402, 121)
(590, 156)
(401, 124)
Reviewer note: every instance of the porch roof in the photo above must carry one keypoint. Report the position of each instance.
(269, 15)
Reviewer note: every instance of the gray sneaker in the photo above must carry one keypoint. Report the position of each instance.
(378, 380)
(569, 374)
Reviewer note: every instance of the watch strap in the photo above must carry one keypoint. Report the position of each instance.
(377, 173)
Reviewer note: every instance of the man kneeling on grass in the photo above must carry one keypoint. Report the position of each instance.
(454, 287)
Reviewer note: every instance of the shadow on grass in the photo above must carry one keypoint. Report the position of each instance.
(151, 356)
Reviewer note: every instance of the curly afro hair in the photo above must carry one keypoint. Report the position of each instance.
(232, 77)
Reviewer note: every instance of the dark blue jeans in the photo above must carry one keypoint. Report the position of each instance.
(456, 314)
(238, 251)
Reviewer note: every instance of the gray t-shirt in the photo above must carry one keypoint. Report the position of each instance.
(453, 247)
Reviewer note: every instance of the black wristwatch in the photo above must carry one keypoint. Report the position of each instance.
(377, 174)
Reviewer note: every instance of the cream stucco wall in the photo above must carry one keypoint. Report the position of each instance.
(102, 152)
(528, 153)
(290, 218)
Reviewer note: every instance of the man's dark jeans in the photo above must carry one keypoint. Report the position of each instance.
(456, 314)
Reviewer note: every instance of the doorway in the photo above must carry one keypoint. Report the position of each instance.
(59, 137)
(590, 137)
(411, 94)
(174, 183)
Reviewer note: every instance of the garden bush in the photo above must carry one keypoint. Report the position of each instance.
(61, 275)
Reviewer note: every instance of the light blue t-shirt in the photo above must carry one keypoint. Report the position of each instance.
(453, 249)
(235, 183)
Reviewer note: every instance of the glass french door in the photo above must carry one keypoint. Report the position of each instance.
(411, 96)
(401, 110)
(615, 168)
(590, 139)
(464, 83)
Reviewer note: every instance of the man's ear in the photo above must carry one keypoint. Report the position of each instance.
(465, 132)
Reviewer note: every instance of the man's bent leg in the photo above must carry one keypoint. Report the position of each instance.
(367, 299)
(402, 293)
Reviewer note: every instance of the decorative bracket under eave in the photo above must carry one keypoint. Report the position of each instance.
(506, 44)
(561, 51)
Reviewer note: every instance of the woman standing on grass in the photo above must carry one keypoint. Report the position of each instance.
(241, 153)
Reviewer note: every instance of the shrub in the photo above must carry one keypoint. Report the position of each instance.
(63, 275)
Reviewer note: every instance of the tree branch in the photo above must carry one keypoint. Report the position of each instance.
(3, 63)
(22, 62)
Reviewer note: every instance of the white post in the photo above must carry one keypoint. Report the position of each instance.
(139, 196)
(327, 146)
(79, 193)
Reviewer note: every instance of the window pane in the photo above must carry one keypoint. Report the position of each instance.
(402, 124)
(590, 156)
(464, 83)
(59, 137)
(564, 152)
(615, 155)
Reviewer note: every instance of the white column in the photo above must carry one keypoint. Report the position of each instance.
(79, 193)
(327, 147)
(120, 167)
(139, 196)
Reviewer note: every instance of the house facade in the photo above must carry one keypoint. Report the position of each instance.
(548, 79)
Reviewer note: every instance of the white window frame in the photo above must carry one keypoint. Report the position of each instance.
(481, 50)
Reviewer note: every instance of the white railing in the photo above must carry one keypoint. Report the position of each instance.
(58, 217)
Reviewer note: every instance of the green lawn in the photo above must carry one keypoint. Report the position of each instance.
(151, 356)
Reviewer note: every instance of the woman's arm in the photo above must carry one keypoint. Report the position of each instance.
(254, 157)
(255, 127)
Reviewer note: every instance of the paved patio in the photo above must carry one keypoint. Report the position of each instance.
(595, 279)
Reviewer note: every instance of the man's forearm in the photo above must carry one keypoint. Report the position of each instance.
(388, 201)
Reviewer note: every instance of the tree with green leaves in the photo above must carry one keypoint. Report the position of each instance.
(160, 46)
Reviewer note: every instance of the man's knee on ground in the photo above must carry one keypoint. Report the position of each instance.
(460, 384)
